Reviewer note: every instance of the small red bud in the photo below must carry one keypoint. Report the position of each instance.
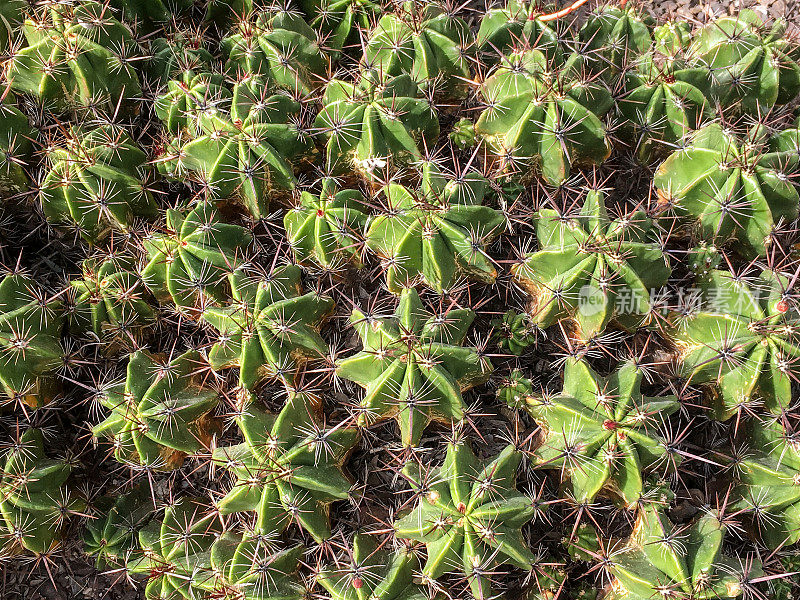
(782, 306)
(357, 583)
(610, 425)
(320, 212)
(462, 508)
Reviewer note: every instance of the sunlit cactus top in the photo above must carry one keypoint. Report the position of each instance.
(77, 53)
(593, 269)
(413, 366)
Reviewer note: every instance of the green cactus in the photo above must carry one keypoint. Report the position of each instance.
(183, 101)
(680, 561)
(591, 269)
(339, 23)
(731, 188)
(787, 588)
(327, 230)
(160, 413)
(147, 16)
(514, 25)
(413, 366)
(601, 432)
(515, 390)
(542, 117)
(245, 567)
(436, 234)
(748, 62)
(469, 516)
(703, 259)
(289, 468)
(371, 571)
(370, 127)
(190, 262)
(12, 15)
(428, 42)
(249, 154)
(97, 182)
(222, 13)
(270, 329)
(743, 338)
(110, 300)
(34, 498)
(768, 482)
(30, 333)
(180, 56)
(280, 46)
(613, 38)
(462, 135)
(661, 105)
(514, 332)
(16, 148)
(112, 535)
(176, 552)
(672, 38)
(77, 54)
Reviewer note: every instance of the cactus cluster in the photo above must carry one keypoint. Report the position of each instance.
(399, 300)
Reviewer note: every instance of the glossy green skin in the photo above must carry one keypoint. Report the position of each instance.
(16, 148)
(601, 432)
(381, 574)
(685, 560)
(190, 262)
(426, 41)
(515, 25)
(339, 22)
(176, 552)
(469, 515)
(33, 493)
(744, 338)
(249, 153)
(513, 332)
(543, 118)
(437, 234)
(180, 56)
(96, 182)
(270, 329)
(660, 106)
(413, 366)
(157, 415)
(147, 16)
(289, 468)
(731, 189)
(748, 63)
(769, 483)
(281, 47)
(327, 230)
(110, 299)
(96, 72)
(592, 269)
(247, 568)
(373, 128)
(614, 38)
(30, 334)
(112, 536)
